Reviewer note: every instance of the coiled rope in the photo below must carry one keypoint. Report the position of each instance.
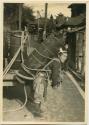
(25, 92)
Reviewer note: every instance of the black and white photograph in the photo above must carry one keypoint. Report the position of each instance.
(44, 53)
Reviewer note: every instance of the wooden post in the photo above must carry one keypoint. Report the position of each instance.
(22, 46)
(46, 6)
(38, 26)
(20, 15)
(83, 52)
(44, 34)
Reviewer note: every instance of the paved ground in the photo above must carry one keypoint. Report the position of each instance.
(64, 104)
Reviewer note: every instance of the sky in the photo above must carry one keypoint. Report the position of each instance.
(53, 8)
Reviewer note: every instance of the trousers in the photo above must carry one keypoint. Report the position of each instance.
(40, 87)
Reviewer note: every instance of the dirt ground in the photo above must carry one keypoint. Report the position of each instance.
(64, 104)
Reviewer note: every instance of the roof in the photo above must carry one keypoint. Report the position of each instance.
(76, 5)
(73, 21)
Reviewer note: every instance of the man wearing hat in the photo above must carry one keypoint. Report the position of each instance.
(58, 66)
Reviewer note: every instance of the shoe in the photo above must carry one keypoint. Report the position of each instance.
(56, 86)
(35, 109)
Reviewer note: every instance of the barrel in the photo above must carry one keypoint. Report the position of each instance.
(15, 42)
(40, 54)
(44, 51)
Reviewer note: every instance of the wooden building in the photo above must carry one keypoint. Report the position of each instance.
(76, 41)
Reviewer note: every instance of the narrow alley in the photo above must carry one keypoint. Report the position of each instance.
(65, 104)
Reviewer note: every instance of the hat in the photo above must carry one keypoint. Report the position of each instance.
(62, 51)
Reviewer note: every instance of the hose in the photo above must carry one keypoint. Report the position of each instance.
(21, 107)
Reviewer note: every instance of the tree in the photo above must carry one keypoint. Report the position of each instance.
(11, 14)
(10, 11)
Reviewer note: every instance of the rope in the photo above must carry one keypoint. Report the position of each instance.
(25, 69)
(42, 54)
(48, 49)
(18, 36)
(11, 62)
(23, 77)
(21, 107)
(48, 64)
(5, 72)
(35, 69)
(37, 59)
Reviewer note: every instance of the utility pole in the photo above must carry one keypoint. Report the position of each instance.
(45, 25)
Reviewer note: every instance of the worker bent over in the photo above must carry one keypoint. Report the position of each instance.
(40, 83)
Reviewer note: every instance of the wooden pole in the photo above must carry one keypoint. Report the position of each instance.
(38, 26)
(45, 25)
(20, 15)
(46, 7)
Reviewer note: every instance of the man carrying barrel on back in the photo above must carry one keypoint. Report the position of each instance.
(43, 54)
(41, 80)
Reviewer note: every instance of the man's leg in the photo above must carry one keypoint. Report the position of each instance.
(56, 73)
(38, 86)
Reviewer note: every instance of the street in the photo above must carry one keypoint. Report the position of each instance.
(64, 104)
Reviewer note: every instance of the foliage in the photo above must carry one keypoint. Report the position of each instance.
(11, 14)
(27, 14)
(10, 10)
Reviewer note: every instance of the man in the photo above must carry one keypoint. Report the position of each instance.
(57, 67)
(40, 83)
